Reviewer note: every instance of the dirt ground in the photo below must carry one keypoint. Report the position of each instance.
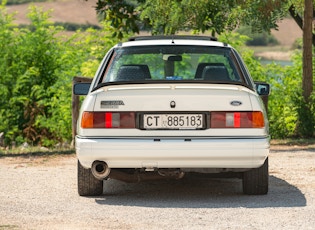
(40, 192)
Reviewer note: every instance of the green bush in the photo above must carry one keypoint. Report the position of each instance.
(289, 115)
(298, 44)
(65, 25)
(261, 38)
(74, 26)
(16, 2)
(36, 70)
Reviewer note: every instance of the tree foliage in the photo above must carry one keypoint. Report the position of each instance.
(36, 71)
(172, 16)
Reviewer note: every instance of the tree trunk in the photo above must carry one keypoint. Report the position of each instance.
(299, 21)
(307, 81)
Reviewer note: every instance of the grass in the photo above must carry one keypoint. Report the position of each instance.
(35, 151)
(6, 227)
(293, 142)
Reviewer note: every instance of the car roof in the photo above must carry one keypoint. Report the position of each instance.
(173, 40)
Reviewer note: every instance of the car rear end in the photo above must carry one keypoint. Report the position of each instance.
(172, 106)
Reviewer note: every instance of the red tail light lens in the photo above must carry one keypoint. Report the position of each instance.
(237, 120)
(124, 120)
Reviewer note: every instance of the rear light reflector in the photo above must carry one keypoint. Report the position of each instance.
(237, 120)
(108, 120)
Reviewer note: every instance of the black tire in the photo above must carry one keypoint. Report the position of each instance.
(88, 185)
(256, 181)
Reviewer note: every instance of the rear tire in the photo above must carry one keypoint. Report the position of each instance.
(88, 185)
(255, 181)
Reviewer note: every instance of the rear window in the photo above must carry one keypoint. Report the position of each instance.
(172, 63)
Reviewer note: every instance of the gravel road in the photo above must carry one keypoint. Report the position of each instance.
(40, 193)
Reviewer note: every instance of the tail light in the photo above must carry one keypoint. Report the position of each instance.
(237, 120)
(124, 120)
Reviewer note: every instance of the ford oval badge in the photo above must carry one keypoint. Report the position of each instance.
(236, 103)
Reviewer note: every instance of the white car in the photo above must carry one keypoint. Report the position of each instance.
(162, 107)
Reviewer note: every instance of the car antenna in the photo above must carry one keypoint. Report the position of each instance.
(173, 39)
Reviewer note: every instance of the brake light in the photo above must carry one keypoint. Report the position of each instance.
(237, 120)
(124, 120)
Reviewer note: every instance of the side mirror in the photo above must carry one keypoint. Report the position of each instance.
(81, 88)
(262, 88)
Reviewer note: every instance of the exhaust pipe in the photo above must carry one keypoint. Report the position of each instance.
(137, 176)
(100, 170)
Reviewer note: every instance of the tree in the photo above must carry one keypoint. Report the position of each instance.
(171, 16)
(306, 123)
(307, 50)
(306, 26)
(299, 20)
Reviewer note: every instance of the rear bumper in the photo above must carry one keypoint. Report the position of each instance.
(173, 153)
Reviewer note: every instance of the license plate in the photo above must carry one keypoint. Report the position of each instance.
(173, 121)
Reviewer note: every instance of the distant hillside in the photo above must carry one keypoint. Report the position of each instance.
(288, 32)
(74, 11)
(83, 12)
